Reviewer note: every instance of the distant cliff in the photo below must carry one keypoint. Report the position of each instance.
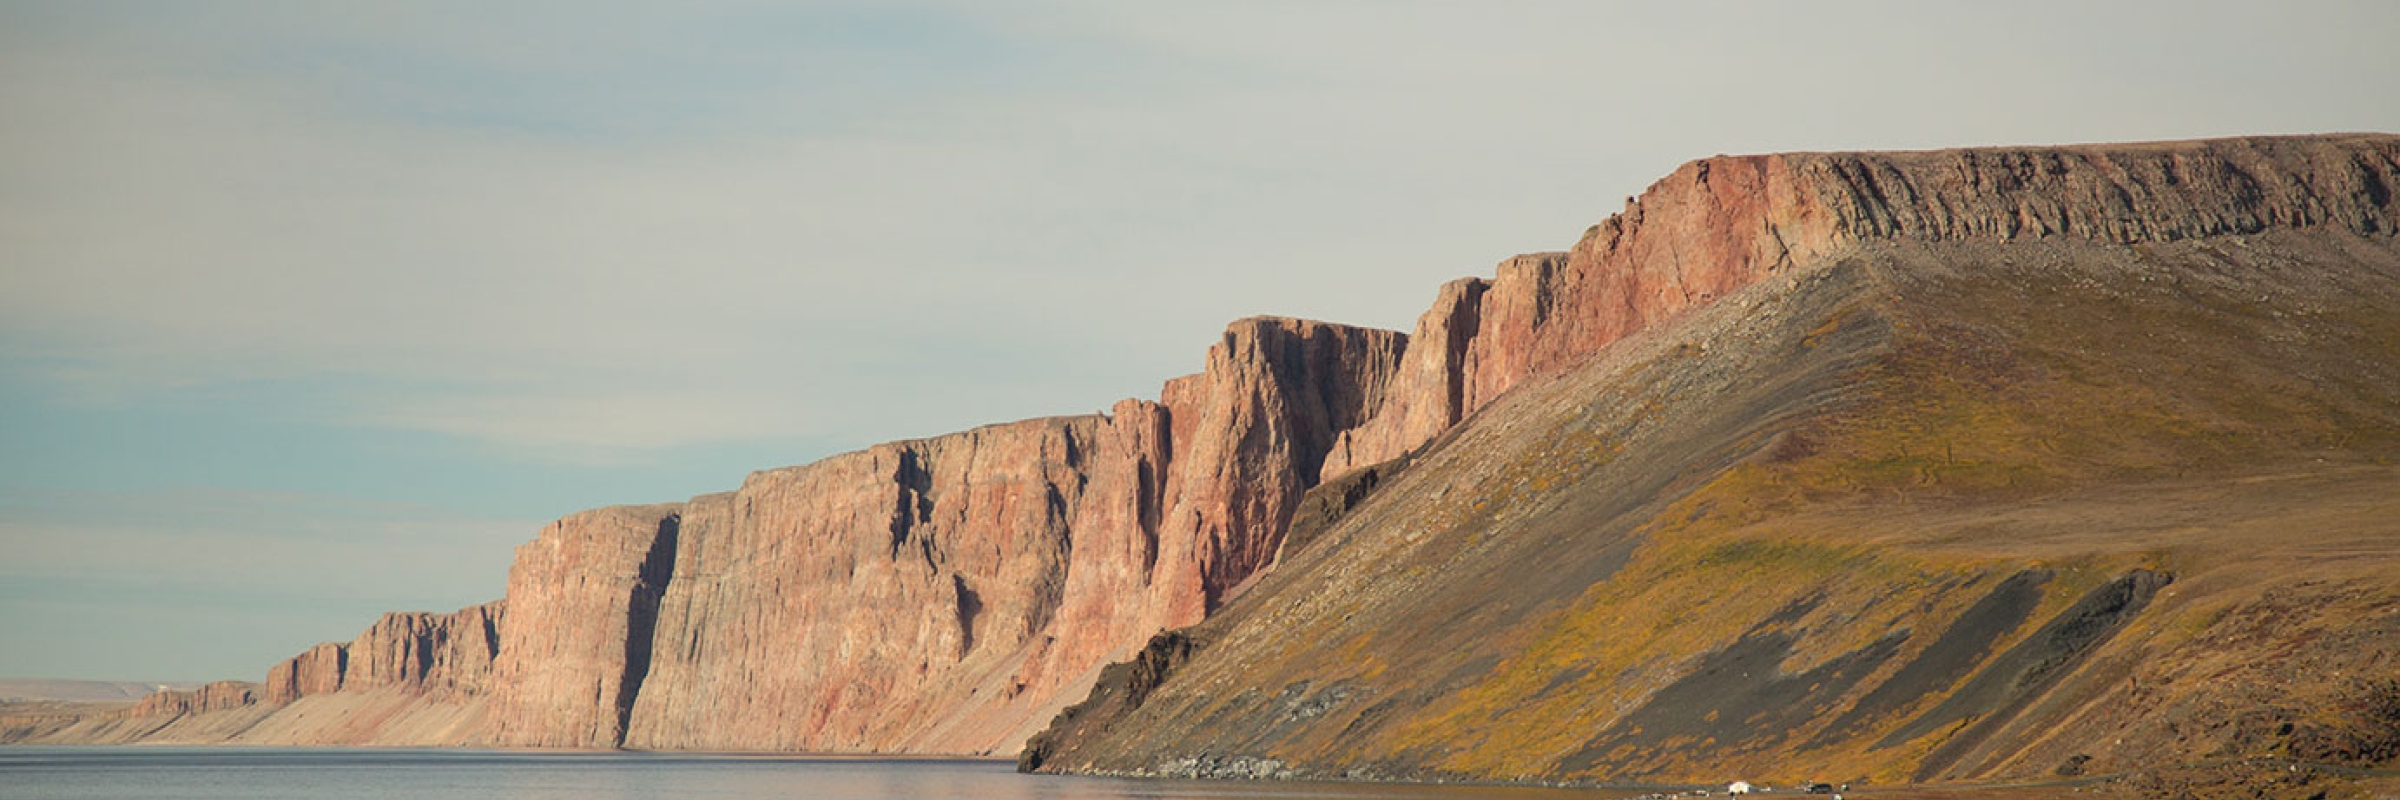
(952, 594)
(412, 678)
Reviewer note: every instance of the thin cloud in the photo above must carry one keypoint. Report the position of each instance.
(218, 541)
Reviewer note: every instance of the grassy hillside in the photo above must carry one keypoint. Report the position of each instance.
(1930, 512)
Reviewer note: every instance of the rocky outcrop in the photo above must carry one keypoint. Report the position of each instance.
(1429, 393)
(1117, 692)
(1252, 433)
(317, 670)
(412, 650)
(582, 603)
(412, 678)
(859, 602)
(426, 652)
(1719, 224)
(216, 696)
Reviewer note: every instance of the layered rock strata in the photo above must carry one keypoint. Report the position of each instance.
(412, 678)
(1719, 224)
(317, 670)
(450, 653)
(216, 696)
(938, 595)
(583, 602)
(950, 594)
(417, 651)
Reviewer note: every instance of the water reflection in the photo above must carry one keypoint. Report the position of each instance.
(74, 773)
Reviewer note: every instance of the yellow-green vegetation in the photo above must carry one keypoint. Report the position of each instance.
(1626, 636)
(1946, 417)
(2003, 381)
(1702, 581)
(1534, 474)
(1953, 414)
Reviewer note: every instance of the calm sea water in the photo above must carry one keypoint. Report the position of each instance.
(163, 773)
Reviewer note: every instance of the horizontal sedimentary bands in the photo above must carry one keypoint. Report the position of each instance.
(1719, 224)
(954, 594)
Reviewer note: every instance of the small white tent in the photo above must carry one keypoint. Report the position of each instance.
(1738, 787)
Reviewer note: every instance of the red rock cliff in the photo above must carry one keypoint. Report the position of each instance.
(582, 600)
(950, 594)
(427, 659)
(939, 595)
(889, 598)
(414, 650)
(428, 652)
(1719, 224)
(317, 670)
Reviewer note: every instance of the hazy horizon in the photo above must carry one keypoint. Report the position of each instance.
(312, 312)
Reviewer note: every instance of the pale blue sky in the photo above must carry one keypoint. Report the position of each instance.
(314, 310)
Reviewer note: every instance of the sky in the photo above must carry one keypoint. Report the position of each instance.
(311, 311)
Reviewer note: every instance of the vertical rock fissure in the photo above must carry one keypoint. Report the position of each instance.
(1467, 324)
(911, 505)
(423, 642)
(969, 604)
(1151, 496)
(641, 620)
(491, 634)
(2378, 194)
(1146, 511)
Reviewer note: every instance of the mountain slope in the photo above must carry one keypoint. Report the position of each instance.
(1940, 500)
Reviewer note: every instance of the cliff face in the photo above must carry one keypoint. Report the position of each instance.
(412, 678)
(1719, 224)
(861, 602)
(412, 650)
(217, 696)
(317, 670)
(583, 599)
(450, 653)
(952, 594)
(938, 595)
(1251, 433)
